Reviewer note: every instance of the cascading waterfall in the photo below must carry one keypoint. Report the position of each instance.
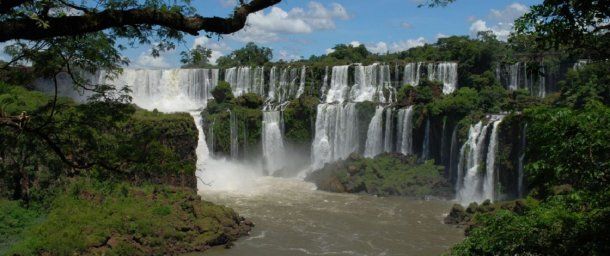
(412, 73)
(426, 143)
(336, 134)
(273, 143)
(520, 188)
(468, 183)
(389, 131)
(513, 83)
(474, 184)
(324, 85)
(302, 82)
(339, 86)
(405, 131)
(374, 138)
(453, 153)
(489, 188)
(234, 136)
(445, 72)
(273, 84)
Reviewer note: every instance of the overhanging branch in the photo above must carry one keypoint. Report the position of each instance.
(25, 28)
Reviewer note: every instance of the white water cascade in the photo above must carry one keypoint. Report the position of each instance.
(370, 83)
(302, 82)
(234, 136)
(339, 86)
(412, 73)
(374, 137)
(336, 135)
(273, 143)
(489, 188)
(473, 183)
(388, 135)
(468, 181)
(405, 131)
(445, 72)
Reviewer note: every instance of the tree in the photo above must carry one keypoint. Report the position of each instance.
(575, 25)
(249, 55)
(36, 20)
(196, 58)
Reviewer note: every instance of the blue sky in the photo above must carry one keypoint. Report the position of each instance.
(296, 28)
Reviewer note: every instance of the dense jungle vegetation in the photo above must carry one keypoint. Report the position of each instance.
(106, 177)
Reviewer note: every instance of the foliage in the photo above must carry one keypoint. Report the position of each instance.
(384, 175)
(222, 92)
(580, 158)
(577, 26)
(592, 82)
(199, 57)
(299, 116)
(249, 55)
(13, 220)
(111, 140)
(90, 218)
(572, 224)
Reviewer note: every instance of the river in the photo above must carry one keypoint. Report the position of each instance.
(293, 218)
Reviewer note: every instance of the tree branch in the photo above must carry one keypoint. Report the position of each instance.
(26, 28)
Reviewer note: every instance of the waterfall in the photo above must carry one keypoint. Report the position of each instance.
(405, 131)
(513, 82)
(453, 152)
(374, 137)
(234, 136)
(411, 74)
(389, 131)
(338, 84)
(446, 73)
(443, 144)
(210, 137)
(489, 188)
(475, 184)
(324, 85)
(521, 162)
(273, 80)
(302, 82)
(258, 81)
(273, 143)
(468, 182)
(542, 82)
(426, 143)
(336, 134)
(365, 84)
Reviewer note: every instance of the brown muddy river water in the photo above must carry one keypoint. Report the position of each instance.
(292, 218)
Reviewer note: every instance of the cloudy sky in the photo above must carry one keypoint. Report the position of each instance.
(300, 28)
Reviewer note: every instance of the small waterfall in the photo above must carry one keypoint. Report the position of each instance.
(513, 82)
(411, 74)
(520, 189)
(234, 136)
(210, 137)
(475, 184)
(452, 154)
(389, 131)
(469, 180)
(324, 85)
(258, 81)
(302, 82)
(365, 84)
(284, 83)
(489, 188)
(273, 143)
(336, 135)
(426, 143)
(542, 82)
(446, 73)
(273, 84)
(339, 86)
(405, 131)
(374, 138)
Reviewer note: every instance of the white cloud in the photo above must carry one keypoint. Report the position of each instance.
(330, 50)
(380, 47)
(500, 22)
(146, 60)
(355, 43)
(441, 35)
(288, 56)
(383, 47)
(228, 3)
(406, 25)
(268, 27)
